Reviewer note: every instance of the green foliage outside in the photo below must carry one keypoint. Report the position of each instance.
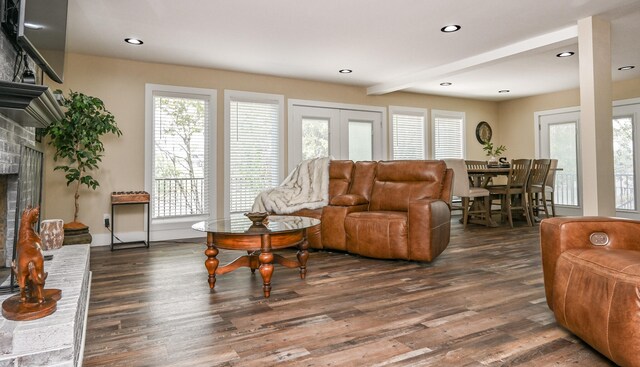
(76, 139)
(179, 153)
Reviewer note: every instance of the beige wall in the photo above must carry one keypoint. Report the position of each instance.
(121, 85)
(516, 117)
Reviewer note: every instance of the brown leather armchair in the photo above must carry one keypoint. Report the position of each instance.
(591, 271)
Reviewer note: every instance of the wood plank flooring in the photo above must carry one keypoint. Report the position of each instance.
(481, 303)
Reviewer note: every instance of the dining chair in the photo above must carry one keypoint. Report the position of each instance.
(548, 196)
(536, 187)
(477, 165)
(465, 192)
(513, 195)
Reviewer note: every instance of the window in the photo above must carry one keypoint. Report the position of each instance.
(408, 133)
(623, 162)
(180, 139)
(448, 134)
(254, 149)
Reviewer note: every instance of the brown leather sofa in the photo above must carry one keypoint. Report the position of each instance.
(386, 209)
(591, 271)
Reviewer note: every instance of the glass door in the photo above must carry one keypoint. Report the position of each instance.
(361, 135)
(340, 133)
(625, 163)
(559, 140)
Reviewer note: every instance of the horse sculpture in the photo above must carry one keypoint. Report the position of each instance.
(34, 301)
(29, 267)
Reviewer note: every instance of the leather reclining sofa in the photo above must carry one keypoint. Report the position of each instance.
(591, 269)
(385, 209)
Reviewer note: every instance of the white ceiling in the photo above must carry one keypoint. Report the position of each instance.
(390, 45)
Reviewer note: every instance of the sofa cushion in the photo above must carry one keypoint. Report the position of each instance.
(399, 182)
(340, 172)
(597, 296)
(381, 234)
(363, 177)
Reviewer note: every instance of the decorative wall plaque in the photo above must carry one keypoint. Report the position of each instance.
(483, 132)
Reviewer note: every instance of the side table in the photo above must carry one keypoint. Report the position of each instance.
(129, 198)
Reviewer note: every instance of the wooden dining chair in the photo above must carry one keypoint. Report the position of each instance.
(548, 196)
(477, 165)
(513, 195)
(536, 186)
(463, 190)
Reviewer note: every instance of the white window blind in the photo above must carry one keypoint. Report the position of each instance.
(408, 136)
(254, 150)
(180, 163)
(448, 135)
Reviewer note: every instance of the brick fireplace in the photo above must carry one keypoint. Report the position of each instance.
(22, 109)
(13, 137)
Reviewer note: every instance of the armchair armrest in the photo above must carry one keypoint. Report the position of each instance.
(429, 222)
(561, 234)
(349, 200)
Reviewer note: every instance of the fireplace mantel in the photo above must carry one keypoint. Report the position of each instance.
(28, 104)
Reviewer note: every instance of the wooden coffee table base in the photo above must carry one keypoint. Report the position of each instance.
(259, 254)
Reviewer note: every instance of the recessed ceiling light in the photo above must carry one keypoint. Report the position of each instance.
(565, 54)
(133, 41)
(628, 67)
(504, 91)
(345, 71)
(33, 26)
(450, 28)
(445, 84)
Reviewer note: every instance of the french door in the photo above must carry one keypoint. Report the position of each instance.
(338, 132)
(559, 140)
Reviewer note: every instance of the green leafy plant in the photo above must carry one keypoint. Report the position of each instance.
(491, 151)
(76, 138)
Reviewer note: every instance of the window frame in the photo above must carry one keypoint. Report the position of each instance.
(179, 227)
(411, 111)
(236, 95)
(448, 114)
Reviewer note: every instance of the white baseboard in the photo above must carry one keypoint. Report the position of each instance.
(104, 239)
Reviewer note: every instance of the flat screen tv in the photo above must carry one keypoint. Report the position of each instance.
(39, 27)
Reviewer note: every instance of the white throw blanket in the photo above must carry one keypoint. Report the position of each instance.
(306, 187)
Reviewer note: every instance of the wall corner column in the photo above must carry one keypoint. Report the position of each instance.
(596, 131)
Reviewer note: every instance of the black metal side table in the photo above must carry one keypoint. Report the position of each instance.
(129, 198)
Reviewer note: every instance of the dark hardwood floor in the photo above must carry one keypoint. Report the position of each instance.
(481, 303)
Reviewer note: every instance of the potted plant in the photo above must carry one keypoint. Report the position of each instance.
(493, 153)
(76, 139)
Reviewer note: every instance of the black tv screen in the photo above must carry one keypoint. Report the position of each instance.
(42, 33)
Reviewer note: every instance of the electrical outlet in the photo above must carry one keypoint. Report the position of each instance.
(107, 220)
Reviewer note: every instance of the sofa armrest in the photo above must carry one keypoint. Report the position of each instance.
(348, 200)
(561, 234)
(429, 222)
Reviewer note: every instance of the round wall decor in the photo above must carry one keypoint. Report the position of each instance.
(483, 132)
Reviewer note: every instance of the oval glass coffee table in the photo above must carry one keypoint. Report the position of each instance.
(239, 233)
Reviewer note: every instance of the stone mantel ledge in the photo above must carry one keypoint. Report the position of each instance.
(28, 104)
(58, 339)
